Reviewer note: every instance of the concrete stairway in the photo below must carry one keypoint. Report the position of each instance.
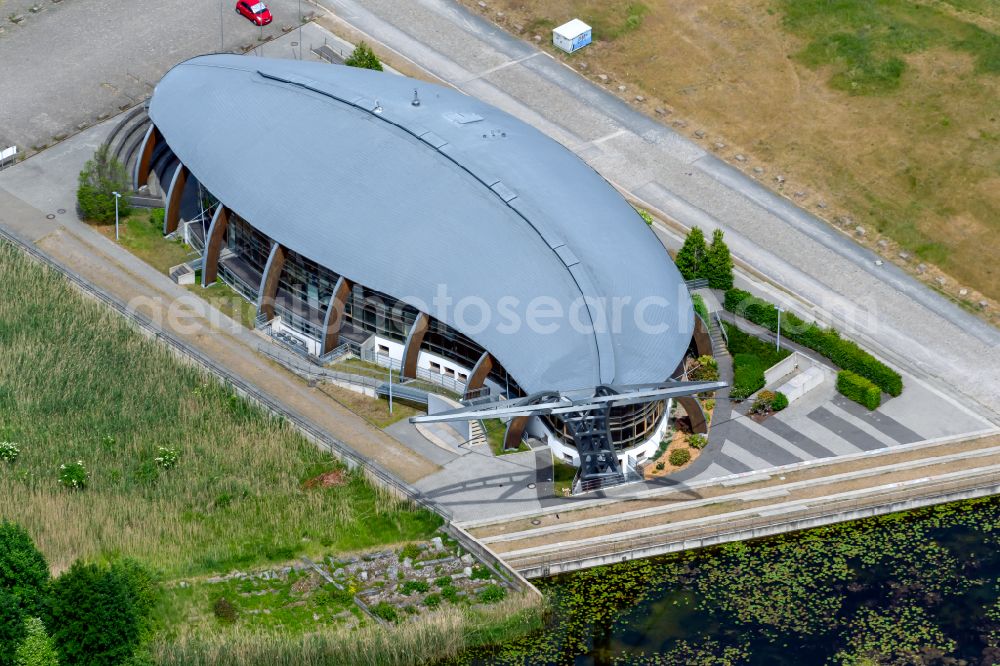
(477, 433)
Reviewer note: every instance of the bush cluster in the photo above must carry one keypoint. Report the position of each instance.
(844, 353)
(697, 441)
(73, 475)
(410, 551)
(386, 611)
(411, 586)
(679, 457)
(780, 401)
(859, 389)
(100, 177)
(707, 369)
(491, 594)
(9, 451)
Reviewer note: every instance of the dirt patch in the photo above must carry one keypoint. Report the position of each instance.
(333, 478)
(679, 441)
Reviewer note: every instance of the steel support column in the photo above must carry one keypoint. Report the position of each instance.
(334, 315)
(140, 174)
(515, 432)
(269, 280)
(213, 246)
(175, 193)
(413, 341)
(479, 374)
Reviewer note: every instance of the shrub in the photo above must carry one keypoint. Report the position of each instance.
(481, 573)
(386, 611)
(9, 451)
(709, 404)
(24, 573)
(450, 593)
(101, 176)
(844, 353)
(679, 457)
(156, 216)
(225, 610)
(432, 600)
(167, 458)
(780, 401)
(411, 551)
(11, 626)
(707, 369)
(859, 389)
(100, 615)
(660, 466)
(697, 441)
(762, 403)
(37, 649)
(699, 306)
(73, 475)
(492, 594)
(363, 57)
(644, 214)
(411, 586)
(443, 581)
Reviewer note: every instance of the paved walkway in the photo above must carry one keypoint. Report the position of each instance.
(882, 307)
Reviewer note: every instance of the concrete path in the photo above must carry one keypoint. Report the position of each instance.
(883, 308)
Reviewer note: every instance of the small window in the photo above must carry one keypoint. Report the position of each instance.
(435, 367)
(462, 377)
(449, 372)
(568, 457)
(382, 349)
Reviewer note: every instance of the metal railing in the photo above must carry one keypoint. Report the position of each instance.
(442, 380)
(722, 329)
(697, 283)
(734, 529)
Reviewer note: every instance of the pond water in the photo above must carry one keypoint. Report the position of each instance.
(913, 588)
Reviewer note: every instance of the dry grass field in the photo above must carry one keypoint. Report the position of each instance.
(879, 113)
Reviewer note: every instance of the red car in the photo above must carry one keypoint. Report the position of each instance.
(257, 12)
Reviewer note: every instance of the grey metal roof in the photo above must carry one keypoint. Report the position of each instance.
(337, 164)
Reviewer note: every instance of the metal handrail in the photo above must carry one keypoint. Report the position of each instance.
(734, 527)
(718, 321)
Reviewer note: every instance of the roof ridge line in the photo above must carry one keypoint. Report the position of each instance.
(312, 85)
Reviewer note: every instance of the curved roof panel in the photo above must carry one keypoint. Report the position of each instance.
(449, 204)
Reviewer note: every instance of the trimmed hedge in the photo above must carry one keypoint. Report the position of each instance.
(859, 389)
(844, 353)
(780, 401)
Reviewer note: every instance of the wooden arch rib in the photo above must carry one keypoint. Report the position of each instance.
(702, 338)
(175, 193)
(515, 432)
(692, 406)
(484, 366)
(413, 341)
(335, 315)
(269, 280)
(143, 163)
(213, 245)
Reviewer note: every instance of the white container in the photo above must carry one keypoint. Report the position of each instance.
(572, 36)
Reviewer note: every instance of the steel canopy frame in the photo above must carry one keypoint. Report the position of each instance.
(586, 417)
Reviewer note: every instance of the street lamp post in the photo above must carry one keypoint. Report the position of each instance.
(300, 29)
(222, 32)
(117, 197)
(390, 386)
(779, 328)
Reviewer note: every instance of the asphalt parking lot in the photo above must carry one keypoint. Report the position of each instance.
(74, 61)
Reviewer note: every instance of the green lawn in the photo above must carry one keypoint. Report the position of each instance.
(562, 477)
(78, 383)
(495, 431)
(142, 235)
(865, 43)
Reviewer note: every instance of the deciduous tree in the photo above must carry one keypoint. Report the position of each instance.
(101, 176)
(24, 573)
(364, 57)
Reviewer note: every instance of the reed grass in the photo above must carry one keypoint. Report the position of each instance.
(77, 382)
(425, 639)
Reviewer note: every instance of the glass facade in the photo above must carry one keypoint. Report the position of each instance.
(304, 292)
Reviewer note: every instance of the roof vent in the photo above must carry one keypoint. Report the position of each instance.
(378, 107)
(416, 98)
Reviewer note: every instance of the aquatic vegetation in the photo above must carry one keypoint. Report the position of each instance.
(900, 589)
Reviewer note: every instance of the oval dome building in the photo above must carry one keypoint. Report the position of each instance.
(419, 227)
